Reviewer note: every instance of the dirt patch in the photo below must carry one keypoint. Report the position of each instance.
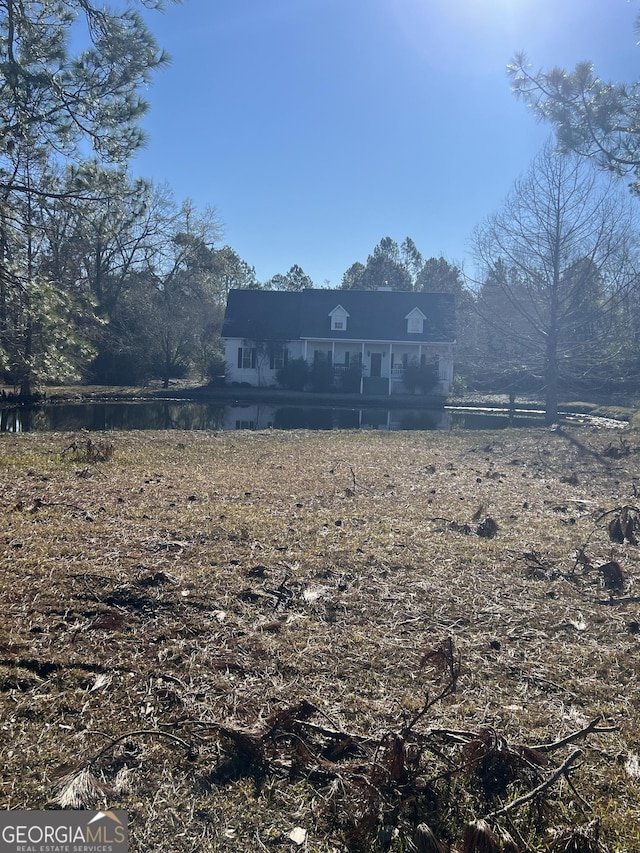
(325, 641)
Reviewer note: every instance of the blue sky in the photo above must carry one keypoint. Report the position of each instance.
(317, 127)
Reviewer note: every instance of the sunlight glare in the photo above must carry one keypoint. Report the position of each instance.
(444, 33)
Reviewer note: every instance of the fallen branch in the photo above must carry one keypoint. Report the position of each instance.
(137, 733)
(627, 599)
(541, 788)
(592, 728)
(333, 734)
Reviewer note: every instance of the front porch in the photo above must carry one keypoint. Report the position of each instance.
(378, 368)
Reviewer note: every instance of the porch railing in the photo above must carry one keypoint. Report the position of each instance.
(341, 369)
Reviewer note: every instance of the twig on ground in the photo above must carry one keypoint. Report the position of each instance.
(539, 789)
(593, 727)
(137, 733)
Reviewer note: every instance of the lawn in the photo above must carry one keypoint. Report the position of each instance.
(341, 641)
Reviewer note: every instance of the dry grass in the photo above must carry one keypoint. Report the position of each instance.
(275, 641)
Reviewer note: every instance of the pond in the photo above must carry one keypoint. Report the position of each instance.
(189, 415)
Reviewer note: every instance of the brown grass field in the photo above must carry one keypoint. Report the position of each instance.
(345, 641)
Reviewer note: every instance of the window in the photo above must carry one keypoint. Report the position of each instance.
(278, 358)
(247, 358)
(338, 319)
(415, 322)
(321, 357)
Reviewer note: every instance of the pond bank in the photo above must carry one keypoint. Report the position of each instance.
(279, 397)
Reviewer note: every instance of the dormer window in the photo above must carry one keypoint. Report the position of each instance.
(415, 321)
(338, 319)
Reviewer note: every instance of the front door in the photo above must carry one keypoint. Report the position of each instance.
(376, 364)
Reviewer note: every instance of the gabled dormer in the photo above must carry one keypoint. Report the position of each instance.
(339, 319)
(415, 321)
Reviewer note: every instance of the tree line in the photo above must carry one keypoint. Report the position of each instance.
(108, 279)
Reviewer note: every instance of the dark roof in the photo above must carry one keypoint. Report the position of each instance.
(378, 315)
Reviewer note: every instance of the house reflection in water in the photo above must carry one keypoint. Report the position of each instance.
(259, 417)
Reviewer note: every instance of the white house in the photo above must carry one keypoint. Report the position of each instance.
(378, 339)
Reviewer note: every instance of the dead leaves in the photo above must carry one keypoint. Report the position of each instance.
(624, 525)
(487, 529)
(613, 576)
(581, 839)
(426, 842)
(80, 789)
(90, 451)
(371, 783)
(478, 837)
(496, 765)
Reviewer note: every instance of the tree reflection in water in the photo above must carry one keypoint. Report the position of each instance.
(188, 415)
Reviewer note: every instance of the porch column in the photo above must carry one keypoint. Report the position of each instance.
(390, 367)
(306, 342)
(362, 369)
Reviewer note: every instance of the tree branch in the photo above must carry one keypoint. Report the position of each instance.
(592, 728)
(520, 801)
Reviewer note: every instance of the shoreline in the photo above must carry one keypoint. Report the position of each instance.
(224, 394)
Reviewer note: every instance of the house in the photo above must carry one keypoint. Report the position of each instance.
(371, 342)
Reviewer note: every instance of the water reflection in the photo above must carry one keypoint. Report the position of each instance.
(186, 415)
(316, 417)
(156, 414)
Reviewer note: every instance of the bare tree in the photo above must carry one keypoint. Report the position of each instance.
(564, 234)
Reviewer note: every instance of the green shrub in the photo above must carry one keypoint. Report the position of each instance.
(458, 386)
(321, 376)
(420, 377)
(350, 379)
(216, 368)
(294, 375)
